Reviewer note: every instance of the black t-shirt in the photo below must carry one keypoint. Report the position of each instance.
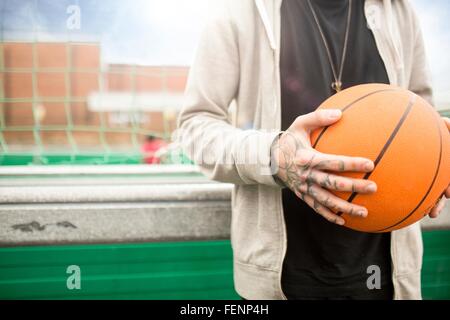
(324, 260)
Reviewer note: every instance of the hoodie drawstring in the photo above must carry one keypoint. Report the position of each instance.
(393, 35)
(265, 20)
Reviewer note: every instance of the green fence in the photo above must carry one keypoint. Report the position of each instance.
(436, 265)
(77, 157)
(23, 159)
(179, 270)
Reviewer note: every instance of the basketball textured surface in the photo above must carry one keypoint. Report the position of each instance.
(405, 138)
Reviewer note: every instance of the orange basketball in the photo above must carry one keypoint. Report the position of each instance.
(405, 138)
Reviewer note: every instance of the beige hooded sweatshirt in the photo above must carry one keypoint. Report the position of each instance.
(237, 64)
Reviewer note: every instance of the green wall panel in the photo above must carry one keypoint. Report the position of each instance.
(179, 270)
(175, 270)
(23, 159)
(436, 265)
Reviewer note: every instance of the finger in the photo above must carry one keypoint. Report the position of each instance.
(447, 122)
(310, 158)
(333, 182)
(447, 193)
(332, 202)
(434, 213)
(318, 119)
(323, 211)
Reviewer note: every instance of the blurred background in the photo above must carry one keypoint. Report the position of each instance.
(88, 82)
(89, 95)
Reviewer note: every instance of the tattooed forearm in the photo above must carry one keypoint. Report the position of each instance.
(301, 170)
(298, 177)
(335, 165)
(316, 205)
(327, 203)
(309, 173)
(326, 182)
(335, 185)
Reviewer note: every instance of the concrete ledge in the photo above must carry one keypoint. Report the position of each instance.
(37, 209)
(112, 193)
(66, 170)
(110, 223)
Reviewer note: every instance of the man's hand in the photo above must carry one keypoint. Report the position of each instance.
(434, 213)
(307, 172)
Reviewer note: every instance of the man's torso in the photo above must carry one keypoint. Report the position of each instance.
(324, 259)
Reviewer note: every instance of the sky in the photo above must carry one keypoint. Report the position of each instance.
(155, 32)
(435, 22)
(166, 32)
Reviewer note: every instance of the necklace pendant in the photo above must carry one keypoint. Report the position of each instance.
(336, 86)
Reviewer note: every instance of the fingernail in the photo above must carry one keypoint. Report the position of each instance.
(340, 222)
(371, 187)
(362, 213)
(334, 113)
(368, 166)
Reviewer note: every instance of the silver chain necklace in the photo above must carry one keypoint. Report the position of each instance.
(336, 85)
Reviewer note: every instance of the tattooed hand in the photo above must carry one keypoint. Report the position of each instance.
(307, 172)
(434, 213)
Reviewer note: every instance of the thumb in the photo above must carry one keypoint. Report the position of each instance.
(318, 119)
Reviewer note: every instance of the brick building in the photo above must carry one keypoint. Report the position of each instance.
(57, 94)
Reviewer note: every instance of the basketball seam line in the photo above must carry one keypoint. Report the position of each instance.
(383, 151)
(347, 107)
(387, 144)
(429, 188)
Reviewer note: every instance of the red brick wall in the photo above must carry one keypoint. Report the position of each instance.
(52, 55)
(17, 55)
(71, 71)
